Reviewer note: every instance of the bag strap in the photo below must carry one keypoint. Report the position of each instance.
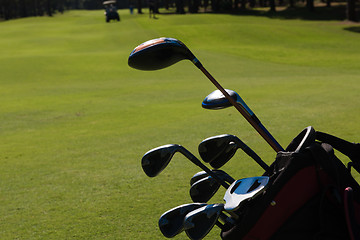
(352, 150)
(353, 228)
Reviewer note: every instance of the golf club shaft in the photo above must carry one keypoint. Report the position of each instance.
(201, 175)
(256, 124)
(197, 162)
(252, 154)
(225, 219)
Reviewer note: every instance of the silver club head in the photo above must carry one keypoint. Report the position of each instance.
(243, 189)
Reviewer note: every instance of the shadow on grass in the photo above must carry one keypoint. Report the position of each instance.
(353, 29)
(321, 13)
(337, 12)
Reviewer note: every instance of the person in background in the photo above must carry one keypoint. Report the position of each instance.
(152, 9)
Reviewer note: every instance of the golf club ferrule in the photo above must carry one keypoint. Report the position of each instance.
(196, 62)
(256, 119)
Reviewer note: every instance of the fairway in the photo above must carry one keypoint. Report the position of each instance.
(76, 119)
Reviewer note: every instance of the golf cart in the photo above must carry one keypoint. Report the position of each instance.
(111, 11)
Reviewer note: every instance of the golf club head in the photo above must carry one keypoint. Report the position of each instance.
(199, 222)
(204, 189)
(217, 100)
(218, 150)
(197, 176)
(171, 222)
(222, 174)
(155, 161)
(159, 53)
(243, 189)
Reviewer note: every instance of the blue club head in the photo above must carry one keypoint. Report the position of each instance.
(217, 100)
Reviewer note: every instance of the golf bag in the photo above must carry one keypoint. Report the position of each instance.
(310, 195)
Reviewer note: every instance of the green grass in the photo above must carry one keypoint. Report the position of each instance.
(76, 120)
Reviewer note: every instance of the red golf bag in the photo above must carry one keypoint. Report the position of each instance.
(311, 194)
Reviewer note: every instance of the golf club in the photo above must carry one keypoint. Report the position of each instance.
(171, 222)
(205, 186)
(197, 176)
(243, 189)
(217, 100)
(200, 175)
(199, 222)
(155, 161)
(218, 150)
(164, 52)
(204, 189)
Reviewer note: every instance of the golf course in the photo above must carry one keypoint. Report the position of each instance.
(76, 120)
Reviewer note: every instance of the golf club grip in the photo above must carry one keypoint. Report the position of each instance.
(260, 129)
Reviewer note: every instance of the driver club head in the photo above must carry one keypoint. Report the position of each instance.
(159, 53)
(171, 222)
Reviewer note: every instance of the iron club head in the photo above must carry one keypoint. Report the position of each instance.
(155, 161)
(199, 222)
(204, 189)
(171, 222)
(242, 190)
(218, 150)
(222, 174)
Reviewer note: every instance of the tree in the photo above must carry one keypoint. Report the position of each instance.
(194, 6)
(215, 5)
(310, 5)
(180, 6)
(272, 6)
(49, 10)
(10, 9)
(351, 10)
(139, 6)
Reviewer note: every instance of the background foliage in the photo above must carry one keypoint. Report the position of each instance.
(10, 9)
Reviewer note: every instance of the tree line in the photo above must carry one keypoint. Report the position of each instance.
(10, 9)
